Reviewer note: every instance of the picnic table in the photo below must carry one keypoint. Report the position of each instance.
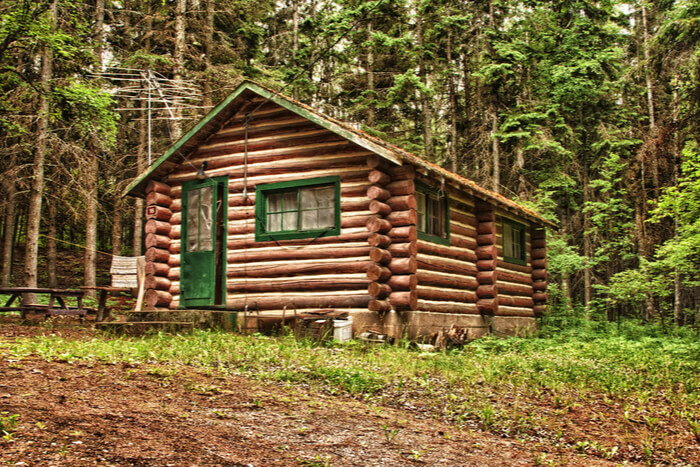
(56, 296)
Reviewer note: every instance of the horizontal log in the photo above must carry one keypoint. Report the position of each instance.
(539, 297)
(157, 255)
(157, 269)
(249, 242)
(539, 286)
(402, 203)
(379, 240)
(157, 298)
(279, 254)
(159, 213)
(540, 263)
(509, 288)
(487, 291)
(437, 263)
(378, 225)
(403, 265)
(378, 193)
(402, 250)
(158, 199)
(538, 233)
(298, 284)
(378, 273)
(154, 226)
(447, 307)
(486, 264)
(277, 269)
(408, 233)
(523, 302)
(379, 306)
(400, 282)
(401, 188)
(404, 300)
(174, 248)
(348, 222)
(173, 273)
(175, 219)
(401, 218)
(487, 252)
(157, 241)
(174, 289)
(235, 174)
(514, 267)
(174, 261)
(377, 207)
(241, 214)
(464, 219)
(538, 253)
(378, 290)
(175, 232)
(462, 242)
(539, 274)
(504, 310)
(486, 277)
(485, 215)
(158, 187)
(279, 302)
(486, 239)
(538, 243)
(380, 255)
(176, 205)
(465, 231)
(157, 282)
(379, 177)
(375, 161)
(487, 306)
(484, 228)
(448, 295)
(446, 251)
(402, 172)
(455, 281)
(539, 310)
(509, 276)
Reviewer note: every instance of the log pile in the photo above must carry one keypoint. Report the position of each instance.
(539, 270)
(158, 230)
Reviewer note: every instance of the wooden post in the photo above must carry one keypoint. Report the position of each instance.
(539, 270)
(487, 259)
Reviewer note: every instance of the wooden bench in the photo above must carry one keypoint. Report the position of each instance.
(127, 274)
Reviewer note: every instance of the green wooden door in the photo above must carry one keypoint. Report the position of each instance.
(201, 264)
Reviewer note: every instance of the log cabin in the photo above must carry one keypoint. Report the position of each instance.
(269, 205)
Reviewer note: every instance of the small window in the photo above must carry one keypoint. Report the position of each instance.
(514, 242)
(298, 209)
(433, 218)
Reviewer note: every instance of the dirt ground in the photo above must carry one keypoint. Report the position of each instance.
(81, 413)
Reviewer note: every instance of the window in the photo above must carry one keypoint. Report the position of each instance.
(514, 250)
(433, 217)
(199, 219)
(298, 209)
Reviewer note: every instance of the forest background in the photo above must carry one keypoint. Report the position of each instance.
(586, 111)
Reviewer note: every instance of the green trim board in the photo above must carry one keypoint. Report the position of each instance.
(432, 206)
(277, 203)
(202, 271)
(514, 243)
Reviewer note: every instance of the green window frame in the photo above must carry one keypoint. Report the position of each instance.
(298, 209)
(514, 244)
(433, 214)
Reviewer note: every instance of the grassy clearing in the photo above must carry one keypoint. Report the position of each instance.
(608, 395)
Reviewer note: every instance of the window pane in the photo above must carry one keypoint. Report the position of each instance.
(206, 219)
(309, 220)
(289, 201)
(192, 220)
(274, 222)
(420, 201)
(326, 218)
(274, 202)
(289, 220)
(507, 240)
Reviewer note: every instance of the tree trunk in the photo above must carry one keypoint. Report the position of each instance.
(208, 51)
(8, 235)
(371, 116)
(90, 256)
(51, 244)
(424, 98)
(178, 64)
(495, 153)
(31, 256)
(587, 247)
(117, 225)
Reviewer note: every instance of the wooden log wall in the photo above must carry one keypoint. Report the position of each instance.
(156, 282)
(515, 291)
(539, 270)
(302, 274)
(487, 291)
(447, 273)
(392, 236)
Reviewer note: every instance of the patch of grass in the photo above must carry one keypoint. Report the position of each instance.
(543, 387)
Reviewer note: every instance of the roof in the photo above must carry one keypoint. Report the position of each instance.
(214, 120)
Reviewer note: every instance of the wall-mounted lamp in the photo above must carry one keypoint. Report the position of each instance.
(200, 173)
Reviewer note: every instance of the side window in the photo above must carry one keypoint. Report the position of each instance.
(514, 247)
(298, 209)
(433, 214)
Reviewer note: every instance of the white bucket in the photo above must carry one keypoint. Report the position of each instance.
(342, 329)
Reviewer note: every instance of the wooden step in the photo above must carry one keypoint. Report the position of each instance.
(135, 328)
